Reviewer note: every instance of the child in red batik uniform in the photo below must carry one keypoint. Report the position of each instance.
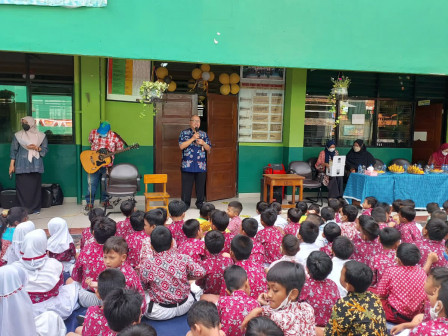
(330, 233)
(177, 211)
(293, 218)
(233, 211)
(348, 218)
(249, 228)
(407, 227)
(219, 220)
(434, 234)
(124, 227)
(192, 246)
(368, 205)
(87, 233)
(366, 242)
(270, 237)
(136, 239)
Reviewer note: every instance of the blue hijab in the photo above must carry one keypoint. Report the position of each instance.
(329, 155)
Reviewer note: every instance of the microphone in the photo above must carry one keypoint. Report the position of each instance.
(196, 129)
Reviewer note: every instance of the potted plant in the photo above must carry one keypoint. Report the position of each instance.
(151, 92)
(340, 86)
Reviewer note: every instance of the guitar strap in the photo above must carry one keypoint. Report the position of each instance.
(119, 137)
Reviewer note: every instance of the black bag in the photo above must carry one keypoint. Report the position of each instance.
(56, 194)
(47, 197)
(8, 198)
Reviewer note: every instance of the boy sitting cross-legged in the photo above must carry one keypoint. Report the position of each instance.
(135, 240)
(177, 211)
(366, 242)
(249, 228)
(192, 246)
(219, 220)
(270, 237)
(124, 227)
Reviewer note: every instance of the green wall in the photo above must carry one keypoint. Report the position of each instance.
(326, 34)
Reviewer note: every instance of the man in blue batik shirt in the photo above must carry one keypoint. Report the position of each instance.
(195, 145)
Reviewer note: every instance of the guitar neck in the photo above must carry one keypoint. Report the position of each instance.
(118, 151)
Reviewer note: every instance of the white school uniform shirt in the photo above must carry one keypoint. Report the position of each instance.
(260, 226)
(284, 258)
(305, 251)
(281, 222)
(335, 274)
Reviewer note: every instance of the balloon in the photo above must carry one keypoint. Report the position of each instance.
(196, 73)
(206, 75)
(168, 79)
(212, 77)
(225, 89)
(234, 78)
(161, 80)
(234, 88)
(224, 78)
(205, 67)
(172, 86)
(161, 72)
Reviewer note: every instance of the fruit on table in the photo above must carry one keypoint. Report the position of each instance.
(396, 168)
(414, 169)
(437, 171)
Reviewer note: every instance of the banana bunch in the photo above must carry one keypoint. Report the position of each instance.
(414, 169)
(396, 168)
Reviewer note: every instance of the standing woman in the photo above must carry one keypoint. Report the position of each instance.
(333, 183)
(27, 149)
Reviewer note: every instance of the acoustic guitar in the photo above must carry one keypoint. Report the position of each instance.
(92, 160)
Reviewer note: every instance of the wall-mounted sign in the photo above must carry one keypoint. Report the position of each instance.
(61, 3)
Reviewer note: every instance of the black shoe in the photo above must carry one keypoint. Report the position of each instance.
(107, 205)
(88, 207)
(199, 206)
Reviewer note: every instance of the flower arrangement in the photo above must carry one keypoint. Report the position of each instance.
(339, 91)
(152, 91)
(341, 82)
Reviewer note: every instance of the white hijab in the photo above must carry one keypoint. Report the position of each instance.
(16, 308)
(43, 272)
(13, 252)
(60, 239)
(30, 137)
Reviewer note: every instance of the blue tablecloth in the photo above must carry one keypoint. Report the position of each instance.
(422, 189)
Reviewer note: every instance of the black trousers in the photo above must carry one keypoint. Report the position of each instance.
(198, 179)
(29, 191)
(336, 187)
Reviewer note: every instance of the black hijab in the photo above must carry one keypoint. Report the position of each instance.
(363, 157)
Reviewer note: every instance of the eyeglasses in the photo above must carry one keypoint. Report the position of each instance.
(195, 121)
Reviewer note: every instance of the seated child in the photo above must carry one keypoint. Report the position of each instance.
(439, 214)
(335, 204)
(249, 228)
(342, 251)
(122, 308)
(124, 227)
(293, 219)
(141, 329)
(434, 234)
(166, 277)
(401, 288)
(204, 216)
(234, 308)
(407, 227)
(136, 239)
(90, 261)
(152, 219)
(303, 207)
(390, 240)
(263, 326)
(360, 312)
(290, 247)
(45, 278)
(192, 246)
(280, 222)
(203, 320)
(379, 215)
(233, 211)
(331, 231)
(348, 218)
(15, 216)
(87, 233)
(177, 211)
(60, 245)
(431, 207)
(261, 206)
(319, 292)
(281, 302)
(368, 205)
(327, 215)
(95, 323)
(396, 205)
(13, 249)
(214, 264)
(313, 209)
(308, 233)
(219, 220)
(270, 237)
(366, 243)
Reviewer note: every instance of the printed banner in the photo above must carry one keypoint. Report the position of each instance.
(65, 3)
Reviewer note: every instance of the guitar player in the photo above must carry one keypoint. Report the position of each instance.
(102, 140)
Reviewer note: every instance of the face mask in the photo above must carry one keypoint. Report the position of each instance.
(356, 149)
(26, 127)
(102, 135)
(331, 150)
(433, 313)
(284, 303)
(445, 153)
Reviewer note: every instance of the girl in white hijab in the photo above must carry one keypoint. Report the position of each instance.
(16, 308)
(60, 244)
(13, 253)
(45, 280)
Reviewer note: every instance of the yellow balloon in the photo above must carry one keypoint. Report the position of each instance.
(172, 86)
(212, 77)
(224, 78)
(196, 73)
(225, 89)
(161, 72)
(234, 78)
(234, 88)
(205, 67)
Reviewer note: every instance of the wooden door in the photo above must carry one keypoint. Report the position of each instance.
(222, 160)
(173, 116)
(428, 120)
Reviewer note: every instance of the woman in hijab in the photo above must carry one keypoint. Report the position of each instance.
(358, 155)
(45, 280)
(13, 252)
(440, 157)
(335, 183)
(27, 149)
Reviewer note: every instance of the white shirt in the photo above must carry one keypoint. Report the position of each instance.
(335, 274)
(281, 222)
(305, 251)
(284, 258)
(260, 226)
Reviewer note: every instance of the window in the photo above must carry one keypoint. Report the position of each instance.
(319, 121)
(394, 123)
(355, 121)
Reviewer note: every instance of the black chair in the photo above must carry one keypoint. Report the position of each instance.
(378, 164)
(123, 180)
(303, 168)
(400, 162)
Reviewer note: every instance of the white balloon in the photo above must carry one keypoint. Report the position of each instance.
(206, 75)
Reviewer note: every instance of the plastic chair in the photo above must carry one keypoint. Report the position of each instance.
(156, 196)
(303, 168)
